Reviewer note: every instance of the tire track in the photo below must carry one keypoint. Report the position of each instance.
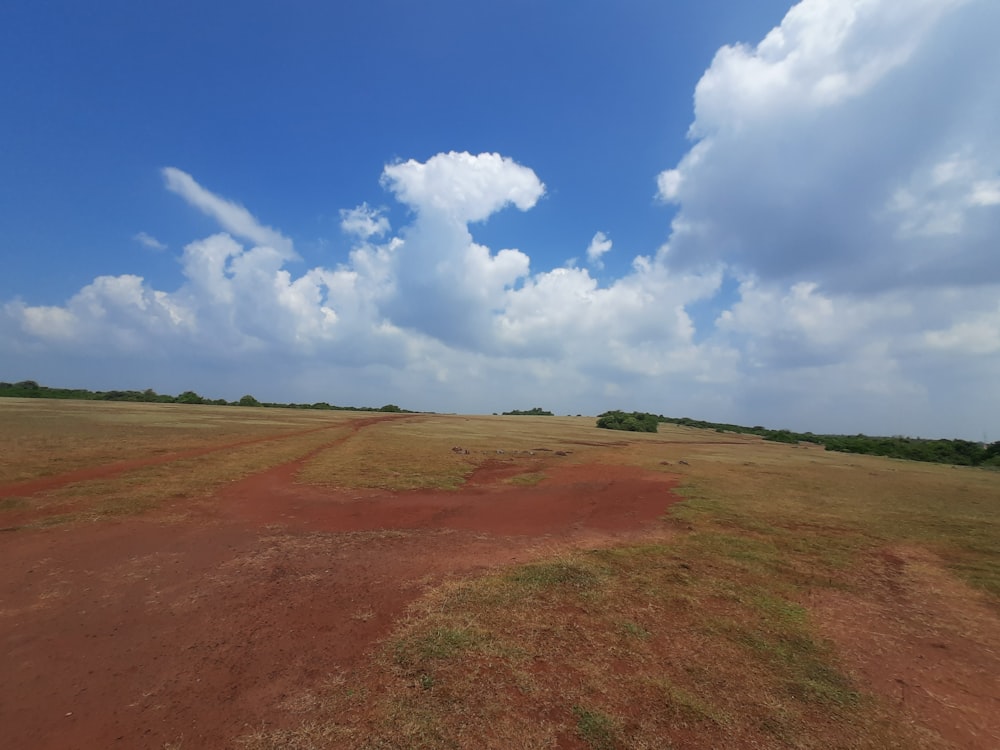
(106, 471)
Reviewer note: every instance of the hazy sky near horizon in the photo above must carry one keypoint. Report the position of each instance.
(762, 213)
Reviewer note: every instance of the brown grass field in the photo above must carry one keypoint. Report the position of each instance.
(215, 577)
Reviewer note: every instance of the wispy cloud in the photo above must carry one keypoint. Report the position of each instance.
(599, 245)
(231, 216)
(148, 240)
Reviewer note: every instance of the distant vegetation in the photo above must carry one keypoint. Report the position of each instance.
(31, 389)
(635, 421)
(957, 452)
(536, 412)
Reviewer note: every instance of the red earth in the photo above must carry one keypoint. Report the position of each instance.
(194, 624)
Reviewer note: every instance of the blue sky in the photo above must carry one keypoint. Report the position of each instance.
(792, 211)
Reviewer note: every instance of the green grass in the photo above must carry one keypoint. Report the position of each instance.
(438, 644)
(595, 728)
(554, 575)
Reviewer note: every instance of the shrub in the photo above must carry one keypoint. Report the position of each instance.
(636, 421)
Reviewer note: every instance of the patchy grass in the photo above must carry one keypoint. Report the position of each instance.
(14, 503)
(528, 479)
(705, 636)
(704, 639)
(193, 478)
(823, 510)
(46, 437)
(621, 648)
(435, 452)
(595, 728)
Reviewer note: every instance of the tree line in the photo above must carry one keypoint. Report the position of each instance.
(945, 451)
(955, 452)
(31, 389)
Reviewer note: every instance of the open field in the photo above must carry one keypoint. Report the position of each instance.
(204, 577)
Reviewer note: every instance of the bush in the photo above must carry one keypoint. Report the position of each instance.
(636, 421)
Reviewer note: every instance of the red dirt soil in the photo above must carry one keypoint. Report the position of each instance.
(192, 625)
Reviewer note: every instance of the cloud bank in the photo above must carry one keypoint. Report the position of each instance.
(831, 264)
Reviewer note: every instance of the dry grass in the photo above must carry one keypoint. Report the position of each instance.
(704, 639)
(440, 452)
(45, 437)
(707, 636)
(620, 648)
(63, 436)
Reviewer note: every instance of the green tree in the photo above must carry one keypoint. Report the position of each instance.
(636, 421)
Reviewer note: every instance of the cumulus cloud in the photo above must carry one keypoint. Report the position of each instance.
(462, 186)
(844, 172)
(466, 322)
(831, 264)
(599, 245)
(148, 240)
(447, 285)
(364, 222)
(849, 147)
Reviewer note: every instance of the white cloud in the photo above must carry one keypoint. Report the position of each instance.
(942, 199)
(465, 322)
(831, 265)
(462, 186)
(148, 240)
(985, 193)
(231, 216)
(822, 154)
(977, 336)
(445, 284)
(364, 222)
(668, 184)
(599, 245)
(845, 170)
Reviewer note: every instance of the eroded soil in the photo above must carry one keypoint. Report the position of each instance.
(191, 625)
(924, 641)
(196, 623)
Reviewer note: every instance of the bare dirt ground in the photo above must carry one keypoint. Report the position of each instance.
(215, 615)
(925, 642)
(198, 622)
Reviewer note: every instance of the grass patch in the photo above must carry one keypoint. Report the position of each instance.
(686, 708)
(435, 645)
(738, 665)
(634, 630)
(529, 479)
(595, 728)
(554, 575)
(13, 503)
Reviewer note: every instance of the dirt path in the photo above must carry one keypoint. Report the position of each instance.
(925, 641)
(148, 631)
